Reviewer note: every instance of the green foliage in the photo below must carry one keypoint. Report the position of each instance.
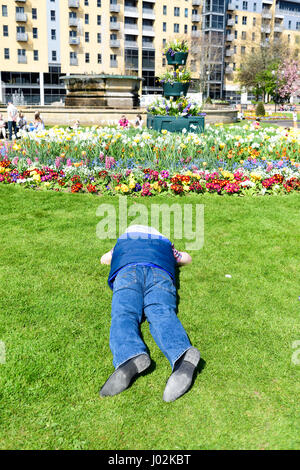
(208, 100)
(260, 109)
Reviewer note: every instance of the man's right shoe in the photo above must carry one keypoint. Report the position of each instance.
(122, 377)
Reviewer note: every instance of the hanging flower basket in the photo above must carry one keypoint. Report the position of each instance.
(177, 58)
(175, 89)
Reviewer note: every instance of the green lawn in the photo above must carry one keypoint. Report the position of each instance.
(55, 319)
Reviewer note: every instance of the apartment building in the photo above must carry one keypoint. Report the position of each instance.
(42, 40)
(255, 23)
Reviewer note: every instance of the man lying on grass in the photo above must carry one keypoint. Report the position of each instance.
(142, 277)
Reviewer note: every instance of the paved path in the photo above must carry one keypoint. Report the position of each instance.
(283, 123)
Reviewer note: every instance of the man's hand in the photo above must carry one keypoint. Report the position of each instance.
(106, 258)
(184, 259)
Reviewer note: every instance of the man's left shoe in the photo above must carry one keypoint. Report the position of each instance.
(121, 378)
(181, 379)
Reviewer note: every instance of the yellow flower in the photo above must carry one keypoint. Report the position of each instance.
(221, 146)
(131, 185)
(255, 176)
(124, 188)
(164, 131)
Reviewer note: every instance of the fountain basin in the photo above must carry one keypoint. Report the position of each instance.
(109, 91)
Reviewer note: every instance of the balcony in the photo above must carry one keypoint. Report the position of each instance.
(265, 29)
(196, 3)
(74, 41)
(230, 6)
(114, 26)
(21, 1)
(114, 8)
(266, 14)
(148, 13)
(73, 61)
(279, 14)
(114, 43)
(131, 29)
(148, 30)
(114, 64)
(268, 2)
(73, 22)
(132, 12)
(196, 18)
(73, 3)
(228, 69)
(21, 17)
(195, 34)
(230, 22)
(229, 37)
(131, 44)
(22, 37)
(278, 28)
(147, 45)
(22, 59)
(229, 52)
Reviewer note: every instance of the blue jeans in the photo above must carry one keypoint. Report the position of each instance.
(147, 289)
(12, 125)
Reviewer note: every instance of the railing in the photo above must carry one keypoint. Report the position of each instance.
(130, 10)
(22, 59)
(74, 41)
(114, 25)
(230, 22)
(73, 3)
(22, 37)
(21, 17)
(229, 52)
(73, 22)
(114, 43)
(113, 64)
(196, 18)
(196, 3)
(130, 43)
(73, 61)
(229, 37)
(114, 8)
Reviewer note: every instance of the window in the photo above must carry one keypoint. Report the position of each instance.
(4, 10)
(86, 18)
(243, 50)
(87, 57)
(164, 9)
(99, 58)
(54, 56)
(185, 29)
(98, 3)
(164, 27)
(35, 55)
(5, 30)
(52, 15)
(253, 36)
(98, 20)
(176, 11)
(6, 53)
(245, 5)
(186, 12)
(244, 20)
(298, 25)
(290, 24)
(35, 33)
(235, 34)
(254, 6)
(86, 2)
(87, 36)
(176, 28)
(243, 35)
(34, 13)
(236, 19)
(53, 34)
(254, 21)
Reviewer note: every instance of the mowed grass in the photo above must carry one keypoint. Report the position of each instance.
(55, 320)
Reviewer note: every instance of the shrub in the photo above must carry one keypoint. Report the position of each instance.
(260, 109)
(208, 100)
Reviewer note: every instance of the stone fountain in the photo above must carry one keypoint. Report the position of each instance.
(102, 91)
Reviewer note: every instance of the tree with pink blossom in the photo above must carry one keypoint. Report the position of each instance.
(288, 79)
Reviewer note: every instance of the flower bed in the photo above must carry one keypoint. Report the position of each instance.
(232, 160)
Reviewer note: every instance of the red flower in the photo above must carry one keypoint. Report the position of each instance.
(91, 188)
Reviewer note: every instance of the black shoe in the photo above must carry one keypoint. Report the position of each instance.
(121, 378)
(181, 379)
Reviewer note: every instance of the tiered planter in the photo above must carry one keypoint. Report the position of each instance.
(176, 90)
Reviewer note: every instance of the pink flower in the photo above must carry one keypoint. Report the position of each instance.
(69, 163)
(15, 160)
(109, 162)
(29, 162)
